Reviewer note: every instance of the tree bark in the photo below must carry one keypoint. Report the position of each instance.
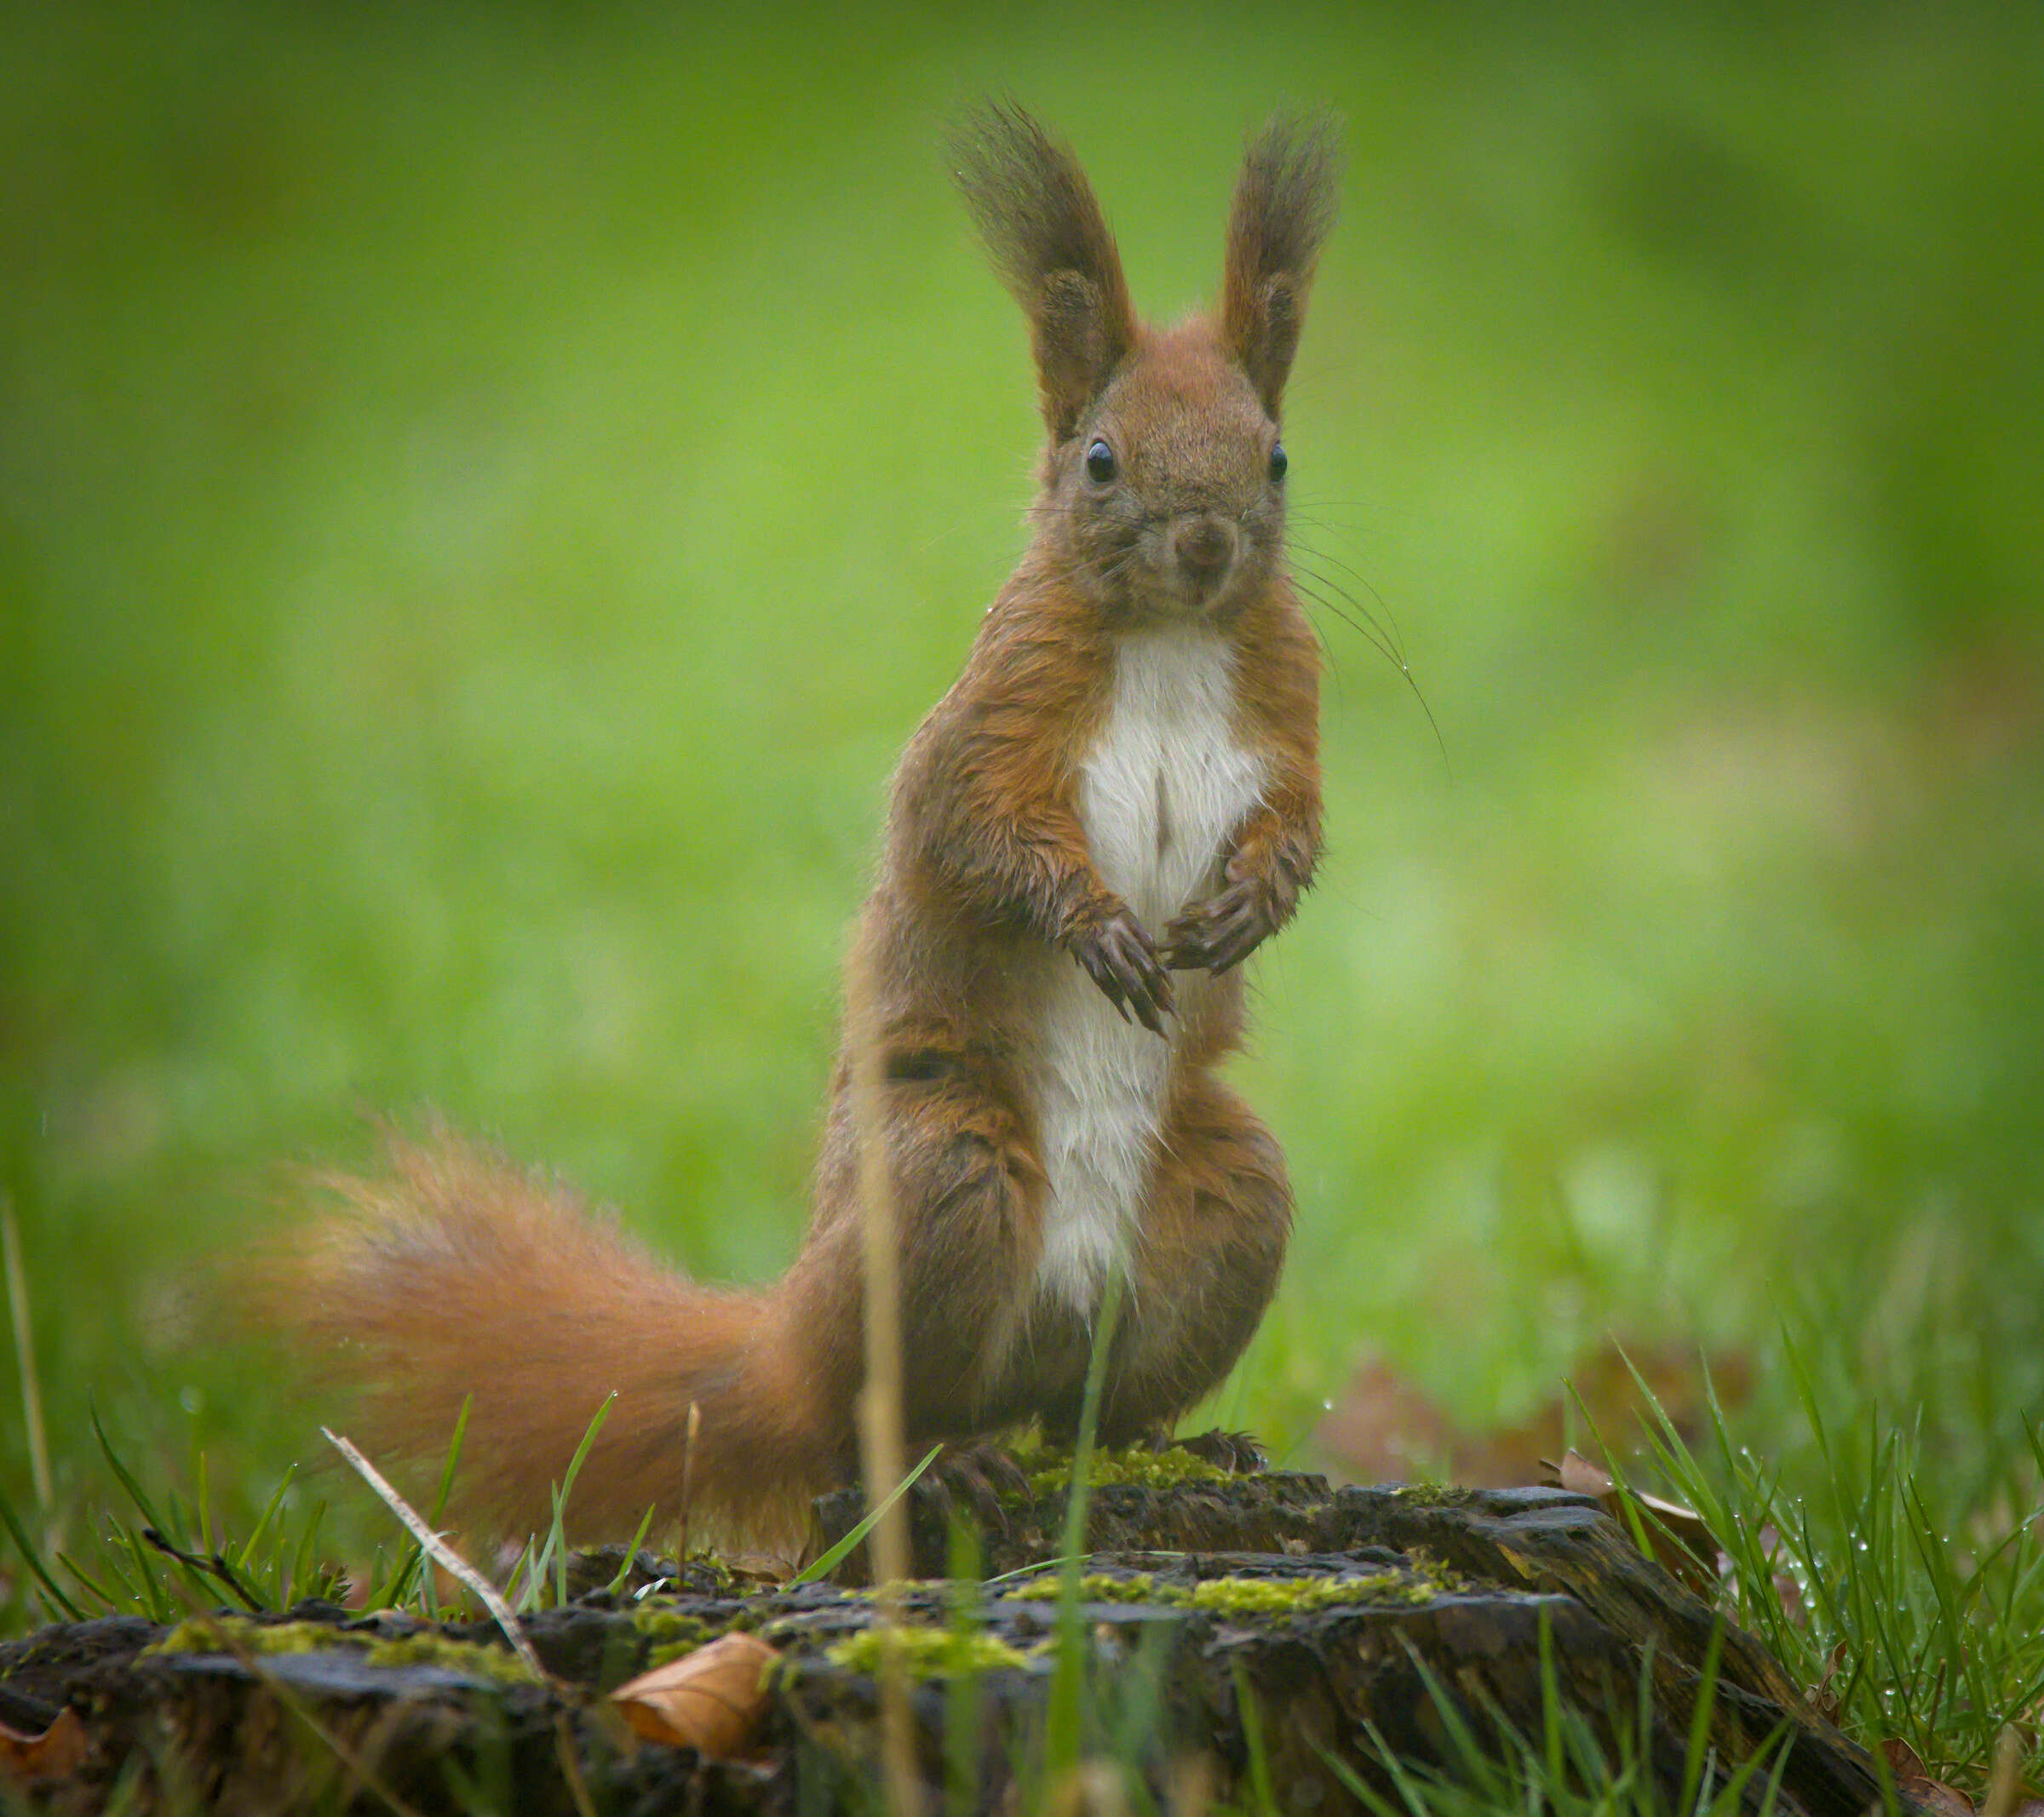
(1263, 1629)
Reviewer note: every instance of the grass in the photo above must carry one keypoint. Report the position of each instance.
(483, 494)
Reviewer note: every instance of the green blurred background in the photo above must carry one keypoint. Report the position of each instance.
(486, 490)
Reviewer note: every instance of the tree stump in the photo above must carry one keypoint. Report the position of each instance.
(1261, 1630)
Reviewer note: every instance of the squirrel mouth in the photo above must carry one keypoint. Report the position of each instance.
(1204, 590)
(1183, 596)
(1202, 556)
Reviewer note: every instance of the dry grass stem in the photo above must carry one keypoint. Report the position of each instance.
(25, 1353)
(442, 1553)
(879, 1425)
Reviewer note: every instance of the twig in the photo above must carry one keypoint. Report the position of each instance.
(214, 1567)
(688, 1471)
(443, 1553)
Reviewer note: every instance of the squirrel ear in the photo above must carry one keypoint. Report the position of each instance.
(1050, 244)
(1284, 205)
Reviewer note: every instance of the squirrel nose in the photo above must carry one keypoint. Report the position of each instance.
(1204, 546)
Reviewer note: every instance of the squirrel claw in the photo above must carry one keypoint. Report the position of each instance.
(1236, 1452)
(986, 1478)
(1217, 935)
(1120, 958)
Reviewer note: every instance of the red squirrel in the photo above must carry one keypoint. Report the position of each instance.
(1116, 802)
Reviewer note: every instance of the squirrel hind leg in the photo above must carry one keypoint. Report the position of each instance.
(1215, 1221)
(968, 1194)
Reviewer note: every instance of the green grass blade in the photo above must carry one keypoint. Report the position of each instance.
(1262, 1796)
(155, 1599)
(1062, 1719)
(553, 1554)
(828, 1561)
(59, 1603)
(302, 1560)
(125, 1477)
(114, 1603)
(616, 1583)
(1550, 1700)
(246, 1556)
(1699, 1717)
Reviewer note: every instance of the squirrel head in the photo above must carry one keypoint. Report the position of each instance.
(1163, 475)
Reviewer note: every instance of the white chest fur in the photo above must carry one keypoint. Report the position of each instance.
(1160, 794)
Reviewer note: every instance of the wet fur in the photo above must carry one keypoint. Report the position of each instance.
(1034, 1137)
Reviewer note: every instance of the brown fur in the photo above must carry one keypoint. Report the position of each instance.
(456, 1275)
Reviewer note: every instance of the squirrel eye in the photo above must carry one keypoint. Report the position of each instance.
(1279, 462)
(1099, 463)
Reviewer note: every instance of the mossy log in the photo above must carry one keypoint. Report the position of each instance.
(1265, 1619)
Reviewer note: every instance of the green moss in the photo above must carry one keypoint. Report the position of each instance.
(1049, 1470)
(1096, 1586)
(900, 1588)
(1437, 1494)
(1254, 1595)
(235, 1635)
(1240, 1595)
(725, 1579)
(664, 1626)
(929, 1652)
(673, 1636)
(478, 1659)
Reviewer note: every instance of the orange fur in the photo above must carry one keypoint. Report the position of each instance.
(456, 1275)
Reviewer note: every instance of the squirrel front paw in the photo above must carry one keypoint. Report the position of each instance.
(1224, 929)
(1120, 958)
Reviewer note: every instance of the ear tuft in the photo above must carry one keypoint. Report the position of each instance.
(1285, 203)
(1035, 209)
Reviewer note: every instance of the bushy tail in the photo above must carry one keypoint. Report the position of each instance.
(456, 1276)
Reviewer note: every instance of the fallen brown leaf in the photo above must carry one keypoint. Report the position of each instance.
(1935, 1796)
(1683, 1550)
(711, 1699)
(1913, 1780)
(57, 1753)
(1821, 1698)
(1903, 1761)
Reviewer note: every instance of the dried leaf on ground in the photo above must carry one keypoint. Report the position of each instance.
(1903, 1761)
(1914, 1781)
(1786, 1588)
(58, 1753)
(1937, 1797)
(1686, 1550)
(711, 1699)
(1822, 1696)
